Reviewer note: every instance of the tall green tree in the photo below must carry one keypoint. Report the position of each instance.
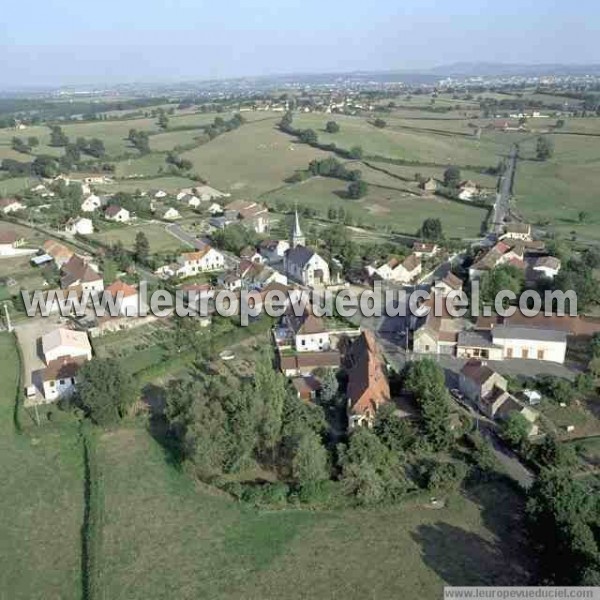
(105, 390)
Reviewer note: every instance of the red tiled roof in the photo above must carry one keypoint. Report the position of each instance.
(368, 386)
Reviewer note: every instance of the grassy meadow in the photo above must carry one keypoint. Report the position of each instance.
(167, 537)
(41, 498)
(388, 209)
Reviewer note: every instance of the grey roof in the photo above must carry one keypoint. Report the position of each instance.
(528, 333)
(299, 255)
(476, 339)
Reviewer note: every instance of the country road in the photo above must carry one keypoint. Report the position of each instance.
(504, 193)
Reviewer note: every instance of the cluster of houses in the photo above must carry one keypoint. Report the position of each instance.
(516, 247)
(466, 190)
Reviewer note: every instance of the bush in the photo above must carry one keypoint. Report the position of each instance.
(268, 494)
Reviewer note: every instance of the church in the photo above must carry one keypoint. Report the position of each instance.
(303, 264)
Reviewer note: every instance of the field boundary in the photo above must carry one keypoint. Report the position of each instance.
(92, 530)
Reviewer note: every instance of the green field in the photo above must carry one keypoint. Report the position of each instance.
(41, 498)
(168, 184)
(251, 160)
(383, 208)
(166, 537)
(160, 240)
(411, 145)
(557, 190)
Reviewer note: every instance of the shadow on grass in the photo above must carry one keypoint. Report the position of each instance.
(154, 398)
(462, 557)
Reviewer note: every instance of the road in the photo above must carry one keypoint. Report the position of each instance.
(504, 193)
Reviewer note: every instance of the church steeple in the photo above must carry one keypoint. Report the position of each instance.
(298, 238)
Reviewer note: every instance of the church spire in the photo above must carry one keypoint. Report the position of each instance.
(298, 238)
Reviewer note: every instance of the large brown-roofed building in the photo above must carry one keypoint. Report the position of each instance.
(368, 388)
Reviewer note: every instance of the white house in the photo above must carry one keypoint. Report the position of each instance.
(91, 203)
(207, 259)
(395, 270)
(168, 213)
(116, 213)
(517, 231)
(126, 296)
(65, 342)
(273, 250)
(80, 225)
(467, 190)
(215, 209)
(530, 342)
(306, 266)
(251, 214)
(59, 378)
(10, 242)
(10, 205)
(189, 199)
(78, 272)
(231, 280)
(546, 266)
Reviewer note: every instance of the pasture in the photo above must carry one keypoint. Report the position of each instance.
(166, 536)
(251, 160)
(556, 191)
(42, 500)
(160, 240)
(383, 208)
(396, 142)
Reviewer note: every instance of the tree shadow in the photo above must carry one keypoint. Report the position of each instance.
(155, 398)
(462, 557)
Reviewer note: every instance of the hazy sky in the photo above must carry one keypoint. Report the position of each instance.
(53, 42)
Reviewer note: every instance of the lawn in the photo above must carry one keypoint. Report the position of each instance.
(251, 160)
(162, 142)
(144, 166)
(557, 190)
(15, 185)
(166, 537)
(42, 501)
(383, 208)
(160, 240)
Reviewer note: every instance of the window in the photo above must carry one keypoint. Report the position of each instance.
(540, 354)
(509, 353)
(303, 342)
(62, 382)
(525, 353)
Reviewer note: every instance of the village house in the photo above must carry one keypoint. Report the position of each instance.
(10, 242)
(546, 267)
(214, 209)
(306, 387)
(368, 388)
(273, 251)
(467, 190)
(91, 203)
(489, 391)
(77, 272)
(126, 297)
(59, 378)
(59, 252)
(429, 185)
(306, 363)
(230, 280)
(305, 333)
(250, 253)
(437, 333)
(500, 254)
(249, 213)
(116, 213)
(398, 271)
(449, 283)
(79, 226)
(168, 213)
(64, 342)
(11, 205)
(428, 249)
(189, 200)
(517, 231)
(206, 259)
